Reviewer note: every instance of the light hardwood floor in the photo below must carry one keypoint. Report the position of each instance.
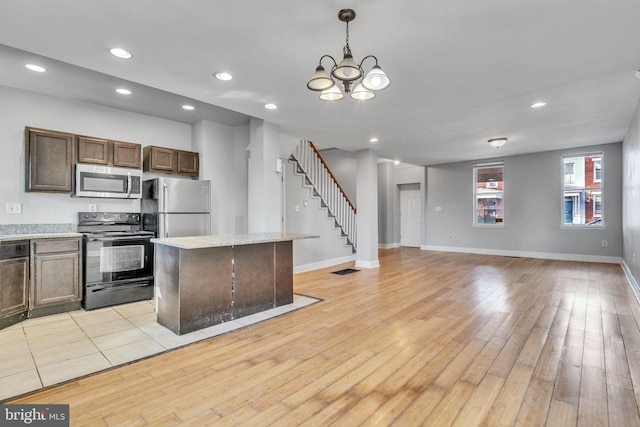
(429, 338)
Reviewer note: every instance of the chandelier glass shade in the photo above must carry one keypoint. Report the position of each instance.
(348, 73)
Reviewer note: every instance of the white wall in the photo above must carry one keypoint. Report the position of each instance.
(19, 108)
(265, 185)
(311, 218)
(533, 209)
(631, 201)
(223, 161)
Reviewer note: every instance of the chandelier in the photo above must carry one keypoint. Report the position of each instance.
(350, 75)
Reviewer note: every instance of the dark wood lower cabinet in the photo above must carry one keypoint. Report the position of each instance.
(14, 282)
(55, 279)
(14, 276)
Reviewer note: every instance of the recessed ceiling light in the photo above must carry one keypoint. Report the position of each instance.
(123, 91)
(373, 140)
(223, 75)
(538, 104)
(37, 68)
(188, 107)
(270, 106)
(121, 53)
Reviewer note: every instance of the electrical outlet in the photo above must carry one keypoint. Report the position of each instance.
(14, 208)
(604, 243)
(93, 208)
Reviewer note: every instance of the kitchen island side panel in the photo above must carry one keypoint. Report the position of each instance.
(254, 289)
(166, 286)
(205, 287)
(284, 272)
(194, 287)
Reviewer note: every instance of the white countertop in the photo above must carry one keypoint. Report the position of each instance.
(219, 240)
(31, 236)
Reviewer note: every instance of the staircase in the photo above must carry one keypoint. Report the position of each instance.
(324, 185)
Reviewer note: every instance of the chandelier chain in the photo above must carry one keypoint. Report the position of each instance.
(347, 50)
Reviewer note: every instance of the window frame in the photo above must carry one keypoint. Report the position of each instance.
(574, 193)
(476, 167)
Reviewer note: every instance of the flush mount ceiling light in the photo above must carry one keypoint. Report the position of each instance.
(271, 106)
(223, 75)
(538, 104)
(123, 91)
(497, 142)
(188, 107)
(348, 73)
(121, 53)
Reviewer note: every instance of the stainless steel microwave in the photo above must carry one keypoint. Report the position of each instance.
(107, 182)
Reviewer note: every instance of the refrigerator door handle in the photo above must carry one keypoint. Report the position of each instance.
(166, 225)
(165, 194)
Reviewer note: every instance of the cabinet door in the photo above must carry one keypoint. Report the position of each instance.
(188, 162)
(56, 279)
(93, 150)
(162, 159)
(127, 154)
(14, 277)
(49, 161)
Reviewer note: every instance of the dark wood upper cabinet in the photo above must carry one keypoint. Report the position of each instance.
(170, 161)
(93, 150)
(109, 153)
(159, 159)
(188, 162)
(49, 159)
(127, 155)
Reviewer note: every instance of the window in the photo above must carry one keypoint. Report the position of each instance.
(488, 194)
(597, 170)
(569, 172)
(582, 190)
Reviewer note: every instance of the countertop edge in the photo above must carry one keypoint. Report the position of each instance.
(32, 236)
(216, 241)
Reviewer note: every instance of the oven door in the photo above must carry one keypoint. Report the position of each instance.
(114, 259)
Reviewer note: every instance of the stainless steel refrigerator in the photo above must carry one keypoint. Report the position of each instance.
(175, 207)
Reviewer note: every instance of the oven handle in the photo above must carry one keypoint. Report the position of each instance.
(117, 288)
(111, 239)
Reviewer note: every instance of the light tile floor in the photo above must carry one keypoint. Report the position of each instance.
(49, 350)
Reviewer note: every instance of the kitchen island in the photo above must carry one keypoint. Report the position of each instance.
(202, 281)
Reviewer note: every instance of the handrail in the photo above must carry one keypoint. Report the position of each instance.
(332, 176)
(326, 187)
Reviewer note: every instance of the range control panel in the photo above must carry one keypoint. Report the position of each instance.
(130, 218)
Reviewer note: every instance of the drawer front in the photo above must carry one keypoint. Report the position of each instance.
(50, 246)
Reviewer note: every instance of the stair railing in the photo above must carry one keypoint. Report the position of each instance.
(326, 187)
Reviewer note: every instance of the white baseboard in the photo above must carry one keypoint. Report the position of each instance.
(527, 254)
(368, 264)
(388, 245)
(632, 281)
(323, 264)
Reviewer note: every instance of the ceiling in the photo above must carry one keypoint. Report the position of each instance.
(461, 71)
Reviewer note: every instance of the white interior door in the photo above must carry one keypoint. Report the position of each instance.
(410, 217)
